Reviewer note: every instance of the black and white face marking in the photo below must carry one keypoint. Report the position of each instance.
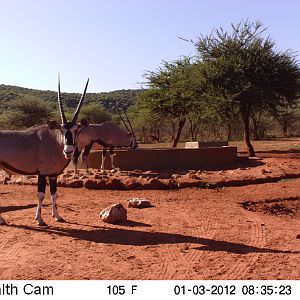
(69, 131)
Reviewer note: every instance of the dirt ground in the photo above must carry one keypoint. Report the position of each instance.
(226, 231)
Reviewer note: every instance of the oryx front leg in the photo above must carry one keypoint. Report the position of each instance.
(85, 155)
(103, 159)
(53, 191)
(75, 161)
(41, 196)
(111, 153)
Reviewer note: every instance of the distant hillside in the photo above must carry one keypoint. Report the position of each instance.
(109, 100)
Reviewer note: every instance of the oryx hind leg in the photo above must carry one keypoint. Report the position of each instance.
(53, 191)
(41, 196)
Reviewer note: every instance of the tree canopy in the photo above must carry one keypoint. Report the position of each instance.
(95, 113)
(245, 70)
(174, 91)
(26, 112)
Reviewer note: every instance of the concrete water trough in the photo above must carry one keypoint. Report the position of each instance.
(166, 158)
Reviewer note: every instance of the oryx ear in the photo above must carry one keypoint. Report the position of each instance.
(84, 122)
(53, 125)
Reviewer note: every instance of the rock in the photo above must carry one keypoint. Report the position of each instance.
(69, 171)
(66, 175)
(95, 184)
(188, 184)
(76, 184)
(100, 176)
(264, 171)
(138, 203)
(30, 176)
(164, 175)
(115, 213)
(155, 184)
(6, 180)
(193, 176)
(132, 183)
(175, 176)
(115, 184)
(19, 181)
(173, 184)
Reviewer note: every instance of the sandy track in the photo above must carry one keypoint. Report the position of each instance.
(188, 234)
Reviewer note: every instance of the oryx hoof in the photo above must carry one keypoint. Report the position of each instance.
(60, 220)
(42, 224)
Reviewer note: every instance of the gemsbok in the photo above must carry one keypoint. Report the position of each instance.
(108, 135)
(43, 150)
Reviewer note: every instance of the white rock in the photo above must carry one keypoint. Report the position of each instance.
(138, 203)
(115, 213)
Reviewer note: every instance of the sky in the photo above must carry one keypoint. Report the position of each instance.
(114, 42)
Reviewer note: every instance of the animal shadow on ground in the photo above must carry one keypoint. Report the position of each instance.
(120, 236)
(127, 223)
(15, 207)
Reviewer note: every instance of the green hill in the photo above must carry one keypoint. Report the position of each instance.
(109, 100)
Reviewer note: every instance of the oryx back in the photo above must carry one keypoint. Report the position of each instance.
(107, 133)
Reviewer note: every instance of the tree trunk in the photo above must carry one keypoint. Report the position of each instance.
(285, 128)
(193, 129)
(255, 129)
(250, 149)
(178, 133)
(229, 132)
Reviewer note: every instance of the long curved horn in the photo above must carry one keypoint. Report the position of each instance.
(129, 123)
(61, 109)
(123, 120)
(74, 120)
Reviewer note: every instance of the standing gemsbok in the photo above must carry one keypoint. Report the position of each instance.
(108, 135)
(43, 150)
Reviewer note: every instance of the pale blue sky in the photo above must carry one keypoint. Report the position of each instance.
(114, 42)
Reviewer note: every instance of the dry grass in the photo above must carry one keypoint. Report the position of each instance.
(288, 144)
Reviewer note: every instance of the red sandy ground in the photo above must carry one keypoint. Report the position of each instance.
(246, 232)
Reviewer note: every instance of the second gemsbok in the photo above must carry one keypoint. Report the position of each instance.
(108, 135)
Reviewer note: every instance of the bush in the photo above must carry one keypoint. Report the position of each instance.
(26, 112)
(95, 113)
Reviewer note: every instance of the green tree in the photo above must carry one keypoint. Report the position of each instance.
(286, 117)
(26, 112)
(244, 69)
(173, 92)
(95, 113)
